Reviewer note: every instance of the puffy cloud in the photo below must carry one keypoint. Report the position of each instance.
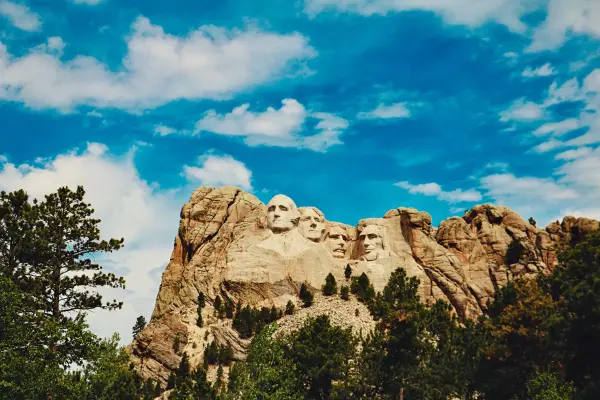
(276, 127)
(209, 63)
(128, 206)
(544, 70)
(566, 17)
(218, 170)
(522, 111)
(164, 130)
(382, 111)
(20, 16)
(434, 189)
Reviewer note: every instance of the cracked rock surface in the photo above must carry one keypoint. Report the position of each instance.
(462, 261)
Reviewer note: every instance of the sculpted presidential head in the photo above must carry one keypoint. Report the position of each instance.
(312, 223)
(282, 214)
(336, 241)
(371, 242)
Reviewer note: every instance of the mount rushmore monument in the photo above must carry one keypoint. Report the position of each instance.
(229, 244)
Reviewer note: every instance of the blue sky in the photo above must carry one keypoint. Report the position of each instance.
(353, 106)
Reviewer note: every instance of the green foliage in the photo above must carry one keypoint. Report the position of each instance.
(201, 305)
(217, 304)
(344, 292)
(321, 354)
(267, 373)
(201, 300)
(532, 221)
(305, 295)
(140, 324)
(348, 272)
(176, 343)
(330, 287)
(546, 385)
(575, 287)
(362, 288)
(217, 355)
(289, 308)
(249, 321)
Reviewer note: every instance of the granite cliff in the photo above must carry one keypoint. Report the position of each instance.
(231, 245)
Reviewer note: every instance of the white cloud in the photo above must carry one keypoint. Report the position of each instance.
(209, 63)
(20, 16)
(544, 70)
(522, 111)
(505, 186)
(573, 154)
(276, 127)
(557, 128)
(547, 146)
(88, 2)
(566, 18)
(461, 12)
(218, 170)
(394, 111)
(573, 188)
(128, 206)
(434, 189)
(164, 130)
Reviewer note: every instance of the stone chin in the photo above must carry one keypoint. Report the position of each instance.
(338, 253)
(371, 256)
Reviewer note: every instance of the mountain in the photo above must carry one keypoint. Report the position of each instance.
(232, 247)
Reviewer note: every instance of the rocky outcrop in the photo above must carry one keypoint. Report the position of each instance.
(231, 245)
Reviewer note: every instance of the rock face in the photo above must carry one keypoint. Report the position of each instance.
(231, 245)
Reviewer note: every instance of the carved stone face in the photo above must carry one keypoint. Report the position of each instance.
(311, 224)
(337, 241)
(371, 242)
(282, 214)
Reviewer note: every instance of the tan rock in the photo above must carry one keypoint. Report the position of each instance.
(231, 245)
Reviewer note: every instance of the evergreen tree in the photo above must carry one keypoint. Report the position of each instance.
(344, 292)
(201, 305)
(176, 343)
(140, 324)
(273, 315)
(183, 371)
(45, 249)
(211, 353)
(330, 287)
(201, 300)
(289, 308)
(362, 288)
(348, 272)
(171, 381)
(217, 304)
(305, 295)
(321, 354)
(228, 309)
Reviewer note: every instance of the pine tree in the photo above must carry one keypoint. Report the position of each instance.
(176, 343)
(273, 315)
(289, 308)
(348, 272)
(140, 323)
(217, 304)
(183, 371)
(201, 300)
(211, 354)
(46, 249)
(305, 295)
(362, 288)
(228, 309)
(330, 287)
(171, 381)
(344, 291)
